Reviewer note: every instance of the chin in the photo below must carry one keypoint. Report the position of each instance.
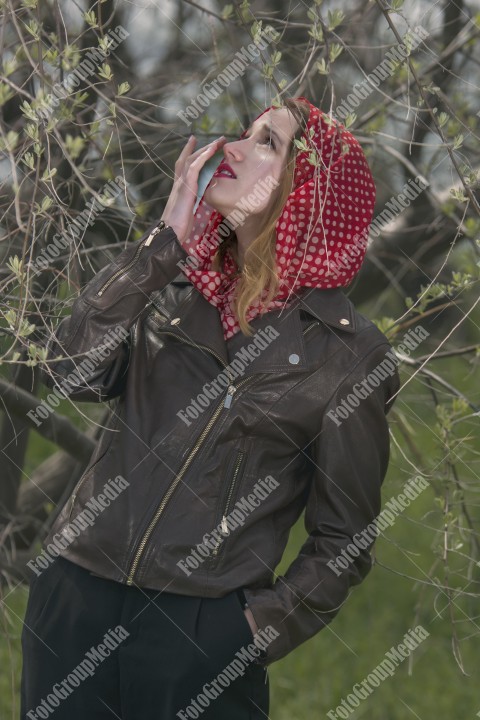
(214, 198)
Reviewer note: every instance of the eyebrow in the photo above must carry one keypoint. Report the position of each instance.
(267, 128)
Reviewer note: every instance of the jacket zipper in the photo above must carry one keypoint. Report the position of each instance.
(309, 327)
(134, 260)
(238, 463)
(226, 403)
(231, 388)
(236, 470)
(206, 431)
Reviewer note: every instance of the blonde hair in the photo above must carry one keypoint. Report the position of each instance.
(260, 270)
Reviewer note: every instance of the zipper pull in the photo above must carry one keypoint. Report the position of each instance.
(161, 226)
(225, 528)
(228, 397)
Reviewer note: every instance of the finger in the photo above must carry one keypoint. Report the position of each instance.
(215, 143)
(187, 149)
(204, 154)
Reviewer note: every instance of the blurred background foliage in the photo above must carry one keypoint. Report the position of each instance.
(422, 268)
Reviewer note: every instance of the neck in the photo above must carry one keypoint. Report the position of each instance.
(245, 233)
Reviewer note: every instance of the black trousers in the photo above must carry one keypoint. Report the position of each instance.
(94, 649)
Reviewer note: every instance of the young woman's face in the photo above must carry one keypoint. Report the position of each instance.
(259, 156)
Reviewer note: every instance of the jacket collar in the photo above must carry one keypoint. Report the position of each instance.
(197, 322)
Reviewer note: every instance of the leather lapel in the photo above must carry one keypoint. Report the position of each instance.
(280, 345)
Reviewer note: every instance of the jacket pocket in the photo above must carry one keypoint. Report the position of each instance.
(233, 479)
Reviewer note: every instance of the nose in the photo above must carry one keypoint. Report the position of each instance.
(233, 151)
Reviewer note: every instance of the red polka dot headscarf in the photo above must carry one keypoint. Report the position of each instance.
(321, 234)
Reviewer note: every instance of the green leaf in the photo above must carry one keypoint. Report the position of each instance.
(33, 27)
(321, 67)
(458, 141)
(104, 43)
(458, 194)
(90, 18)
(49, 174)
(74, 145)
(6, 93)
(316, 33)
(227, 11)
(45, 205)
(123, 88)
(335, 50)
(384, 324)
(26, 328)
(335, 17)
(245, 12)
(301, 145)
(9, 66)
(29, 160)
(443, 118)
(27, 110)
(10, 142)
(11, 318)
(350, 119)
(105, 71)
(15, 264)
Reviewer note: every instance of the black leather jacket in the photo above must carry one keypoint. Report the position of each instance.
(218, 468)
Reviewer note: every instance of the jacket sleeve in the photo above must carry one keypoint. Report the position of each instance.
(349, 461)
(94, 341)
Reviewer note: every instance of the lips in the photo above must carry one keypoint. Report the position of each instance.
(224, 170)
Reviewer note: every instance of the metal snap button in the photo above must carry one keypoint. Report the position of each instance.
(344, 321)
(175, 321)
(294, 359)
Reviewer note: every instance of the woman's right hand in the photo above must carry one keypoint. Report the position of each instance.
(178, 211)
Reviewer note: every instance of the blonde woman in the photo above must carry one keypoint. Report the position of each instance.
(245, 389)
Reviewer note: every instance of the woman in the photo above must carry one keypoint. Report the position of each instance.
(247, 388)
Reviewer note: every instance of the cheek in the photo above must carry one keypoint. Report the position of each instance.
(267, 165)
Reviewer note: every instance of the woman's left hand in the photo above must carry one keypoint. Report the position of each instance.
(251, 620)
